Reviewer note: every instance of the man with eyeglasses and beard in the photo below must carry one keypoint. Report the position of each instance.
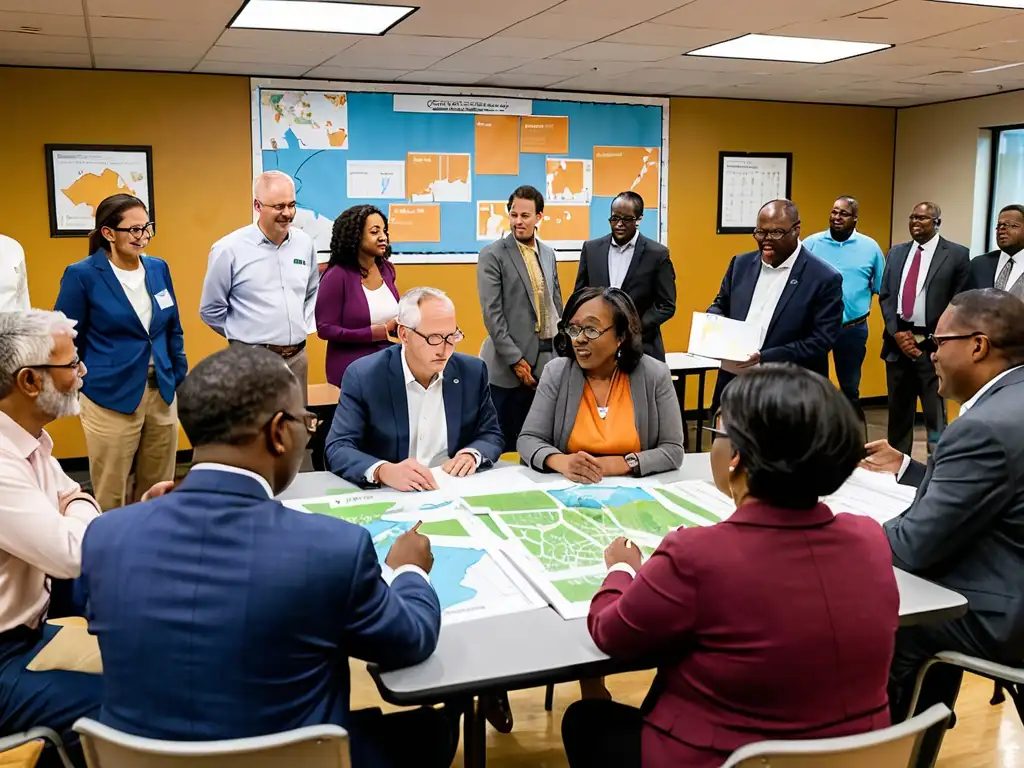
(1003, 268)
(638, 265)
(792, 296)
(262, 280)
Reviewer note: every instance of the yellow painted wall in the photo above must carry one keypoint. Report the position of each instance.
(199, 128)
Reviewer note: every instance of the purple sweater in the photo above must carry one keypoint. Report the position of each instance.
(343, 317)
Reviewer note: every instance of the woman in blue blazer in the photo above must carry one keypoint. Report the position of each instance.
(130, 339)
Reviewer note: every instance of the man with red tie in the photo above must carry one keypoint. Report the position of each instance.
(919, 280)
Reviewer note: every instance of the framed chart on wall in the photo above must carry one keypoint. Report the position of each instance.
(80, 176)
(746, 181)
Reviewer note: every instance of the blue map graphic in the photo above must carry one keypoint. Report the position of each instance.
(597, 498)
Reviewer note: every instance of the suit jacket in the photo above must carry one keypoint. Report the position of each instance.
(807, 319)
(802, 654)
(650, 282)
(947, 276)
(510, 316)
(559, 392)
(965, 529)
(371, 422)
(112, 342)
(343, 317)
(982, 270)
(222, 614)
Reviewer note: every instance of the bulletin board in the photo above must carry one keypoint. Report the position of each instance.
(443, 162)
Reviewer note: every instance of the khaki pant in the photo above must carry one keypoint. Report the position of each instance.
(146, 440)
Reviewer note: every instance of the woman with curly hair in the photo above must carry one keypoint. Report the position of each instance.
(357, 306)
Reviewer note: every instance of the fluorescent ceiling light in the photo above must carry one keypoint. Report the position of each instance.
(807, 50)
(318, 16)
(996, 69)
(990, 3)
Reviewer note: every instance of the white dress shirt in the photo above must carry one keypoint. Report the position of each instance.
(619, 259)
(1016, 273)
(771, 282)
(919, 318)
(13, 278)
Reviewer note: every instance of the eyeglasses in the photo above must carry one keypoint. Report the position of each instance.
(774, 234)
(279, 207)
(842, 214)
(918, 218)
(149, 230)
(938, 341)
(587, 331)
(436, 339)
(1007, 225)
(309, 420)
(614, 219)
(74, 365)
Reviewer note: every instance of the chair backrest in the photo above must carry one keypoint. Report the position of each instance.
(893, 747)
(318, 746)
(23, 755)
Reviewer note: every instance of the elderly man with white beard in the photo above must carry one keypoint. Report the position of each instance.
(43, 517)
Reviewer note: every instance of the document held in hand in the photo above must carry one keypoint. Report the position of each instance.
(722, 338)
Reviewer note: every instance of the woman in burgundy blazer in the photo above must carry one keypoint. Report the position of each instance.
(779, 622)
(360, 258)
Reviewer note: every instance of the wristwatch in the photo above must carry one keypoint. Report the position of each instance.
(633, 462)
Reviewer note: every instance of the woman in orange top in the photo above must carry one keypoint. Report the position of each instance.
(603, 408)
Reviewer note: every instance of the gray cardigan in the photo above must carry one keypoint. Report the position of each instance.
(553, 415)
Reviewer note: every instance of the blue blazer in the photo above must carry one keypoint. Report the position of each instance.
(371, 422)
(112, 342)
(807, 320)
(223, 614)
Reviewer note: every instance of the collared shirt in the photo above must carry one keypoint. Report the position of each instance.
(1016, 272)
(428, 423)
(43, 517)
(861, 263)
(212, 466)
(259, 293)
(619, 259)
(927, 253)
(547, 313)
(13, 277)
(771, 282)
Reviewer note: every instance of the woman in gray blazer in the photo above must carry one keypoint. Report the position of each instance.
(603, 408)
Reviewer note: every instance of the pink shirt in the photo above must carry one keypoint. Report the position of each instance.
(43, 517)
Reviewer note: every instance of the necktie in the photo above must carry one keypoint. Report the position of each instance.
(1004, 275)
(910, 285)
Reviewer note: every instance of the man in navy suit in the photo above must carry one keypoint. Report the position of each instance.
(793, 296)
(415, 406)
(1003, 268)
(223, 614)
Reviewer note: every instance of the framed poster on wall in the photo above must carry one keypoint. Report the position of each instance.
(746, 181)
(80, 176)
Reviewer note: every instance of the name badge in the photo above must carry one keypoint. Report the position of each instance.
(164, 300)
(300, 262)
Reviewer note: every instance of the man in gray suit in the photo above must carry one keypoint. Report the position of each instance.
(965, 529)
(920, 278)
(522, 303)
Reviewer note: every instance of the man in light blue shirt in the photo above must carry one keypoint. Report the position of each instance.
(861, 263)
(262, 280)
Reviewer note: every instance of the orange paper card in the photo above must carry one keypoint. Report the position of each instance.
(414, 222)
(497, 144)
(544, 135)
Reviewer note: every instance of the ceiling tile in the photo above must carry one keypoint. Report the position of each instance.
(150, 48)
(564, 68)
(62, 7)
(553, 26)
(452, 18)
(44, 59)
(1005, 32)
(160, 64)
(430, 77)
(253, 69)
(650, 33)
(713, 64)
(743, 16)
(465, 62)
(42, 23)
(534, 47)
(310, 58)
(620, 52)
(201, 31)
(638, 10)
(370, 60)
(222, 10)
(419, 45)
(20, 41)
(355, 74)
(521, 80)
(267, 39)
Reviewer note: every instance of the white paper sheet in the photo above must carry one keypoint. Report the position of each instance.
(723, 338)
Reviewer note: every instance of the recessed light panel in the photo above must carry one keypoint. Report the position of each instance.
(990, 3)
(807, 50)
(318, 16)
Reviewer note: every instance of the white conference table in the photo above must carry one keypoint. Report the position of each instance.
(683, 364)
(536, 648)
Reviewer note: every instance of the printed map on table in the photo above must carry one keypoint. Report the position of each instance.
(472, 577)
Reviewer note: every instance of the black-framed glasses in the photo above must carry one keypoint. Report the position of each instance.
(309, 420)
(74, 365)
(938, 341)
(919, 219)
(588, 332)
(616, 219)
(279, 207)
(437, 339)
(148, 229)
(1007, 225)
(773, 234)
(842, 214)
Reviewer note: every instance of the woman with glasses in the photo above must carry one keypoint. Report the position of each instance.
(129, 336)
(603, 408)
(778, 623)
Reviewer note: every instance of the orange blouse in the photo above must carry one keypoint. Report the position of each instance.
(614, 435)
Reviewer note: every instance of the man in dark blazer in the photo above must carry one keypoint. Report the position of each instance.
(223, 614)
(795, 297)
(639, 266)
(1003, 269)
(965, 529)
(415, 406)
(920, 278)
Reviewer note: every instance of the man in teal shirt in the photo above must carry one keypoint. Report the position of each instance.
(861, 263)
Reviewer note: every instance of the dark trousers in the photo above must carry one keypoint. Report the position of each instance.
(512, 405)
(598, 733)
(51, 699)
(914, 646)
(848, 360)
(425, 738)
(908, 380)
